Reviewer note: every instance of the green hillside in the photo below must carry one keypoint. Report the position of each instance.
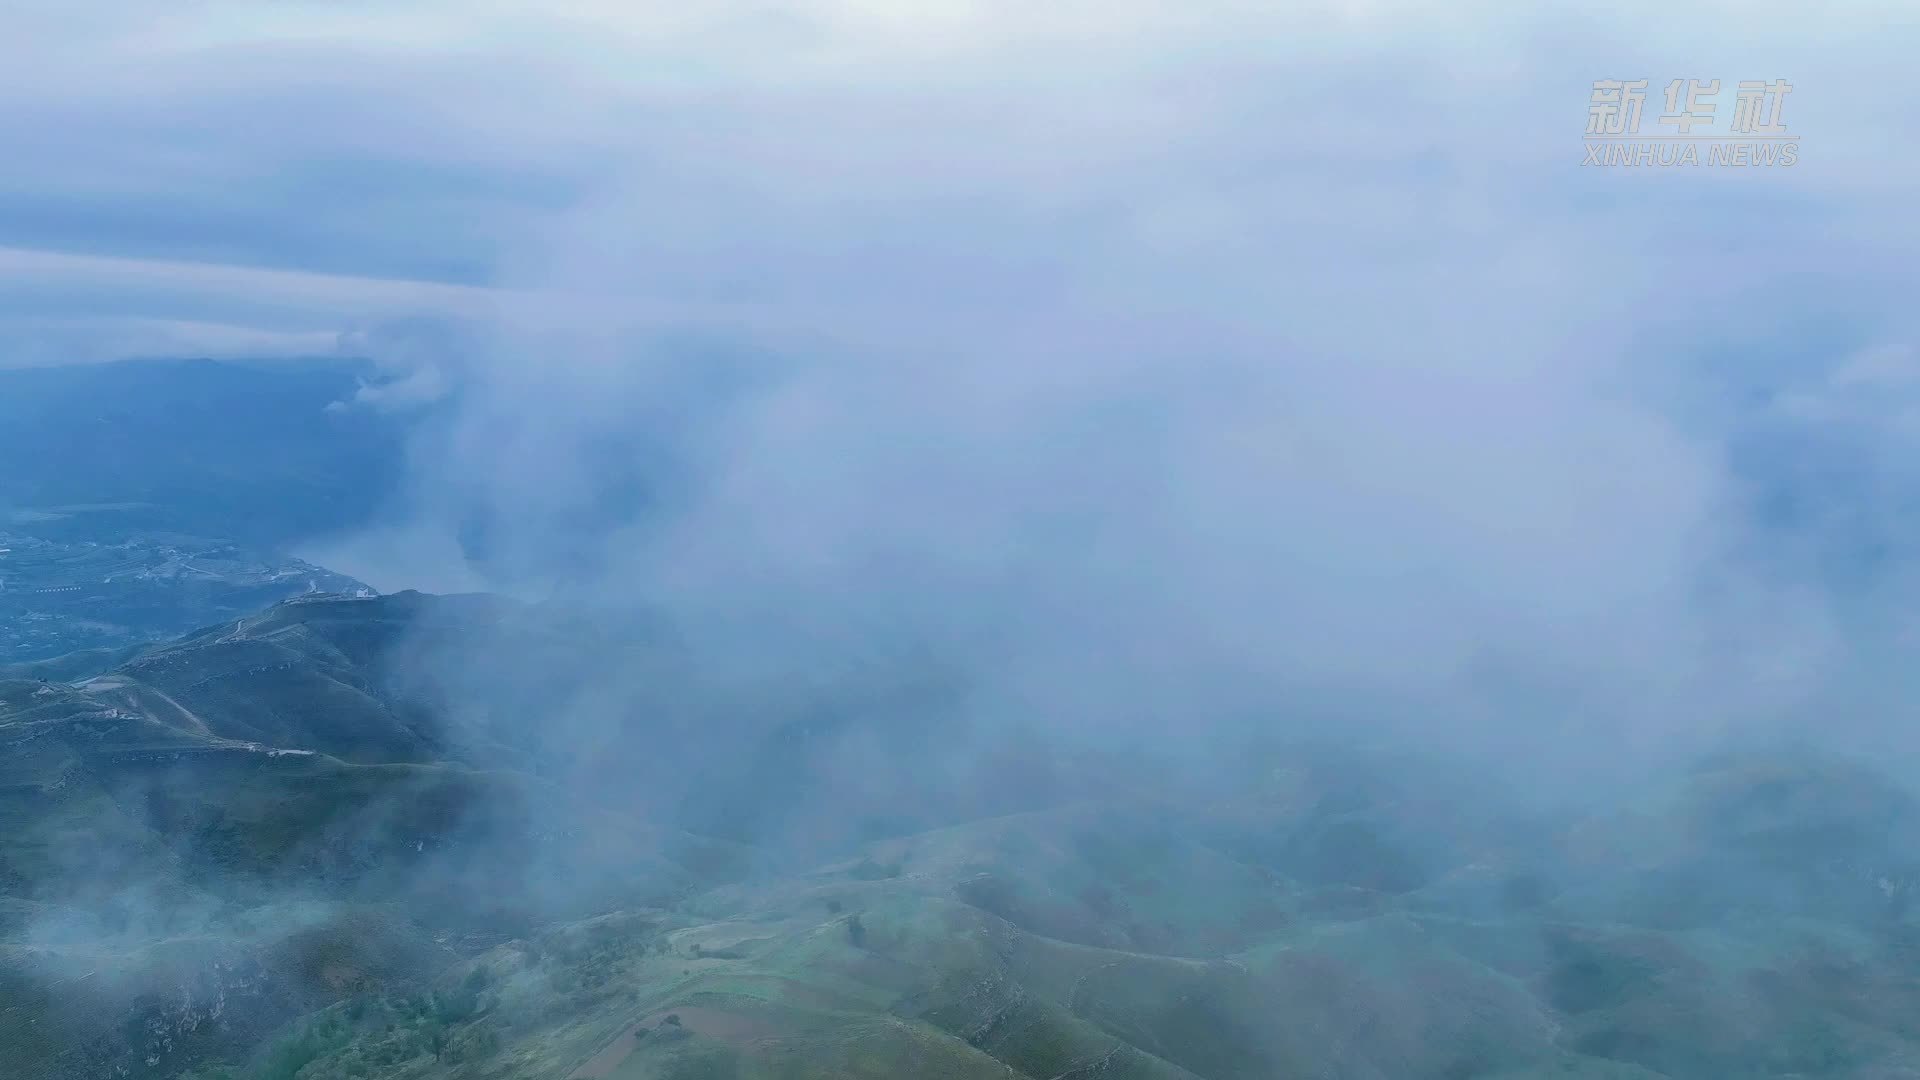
(290, 848)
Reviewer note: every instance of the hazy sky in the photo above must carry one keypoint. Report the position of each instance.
(1145, 352)
(214, 175)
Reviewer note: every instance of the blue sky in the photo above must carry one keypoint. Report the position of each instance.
(1296, 334)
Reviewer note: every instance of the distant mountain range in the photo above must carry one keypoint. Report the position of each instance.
(393, 837)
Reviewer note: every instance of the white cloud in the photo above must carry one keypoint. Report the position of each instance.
(1201, 351)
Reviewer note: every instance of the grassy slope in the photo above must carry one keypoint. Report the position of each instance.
(173, 894)
(881, 966)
